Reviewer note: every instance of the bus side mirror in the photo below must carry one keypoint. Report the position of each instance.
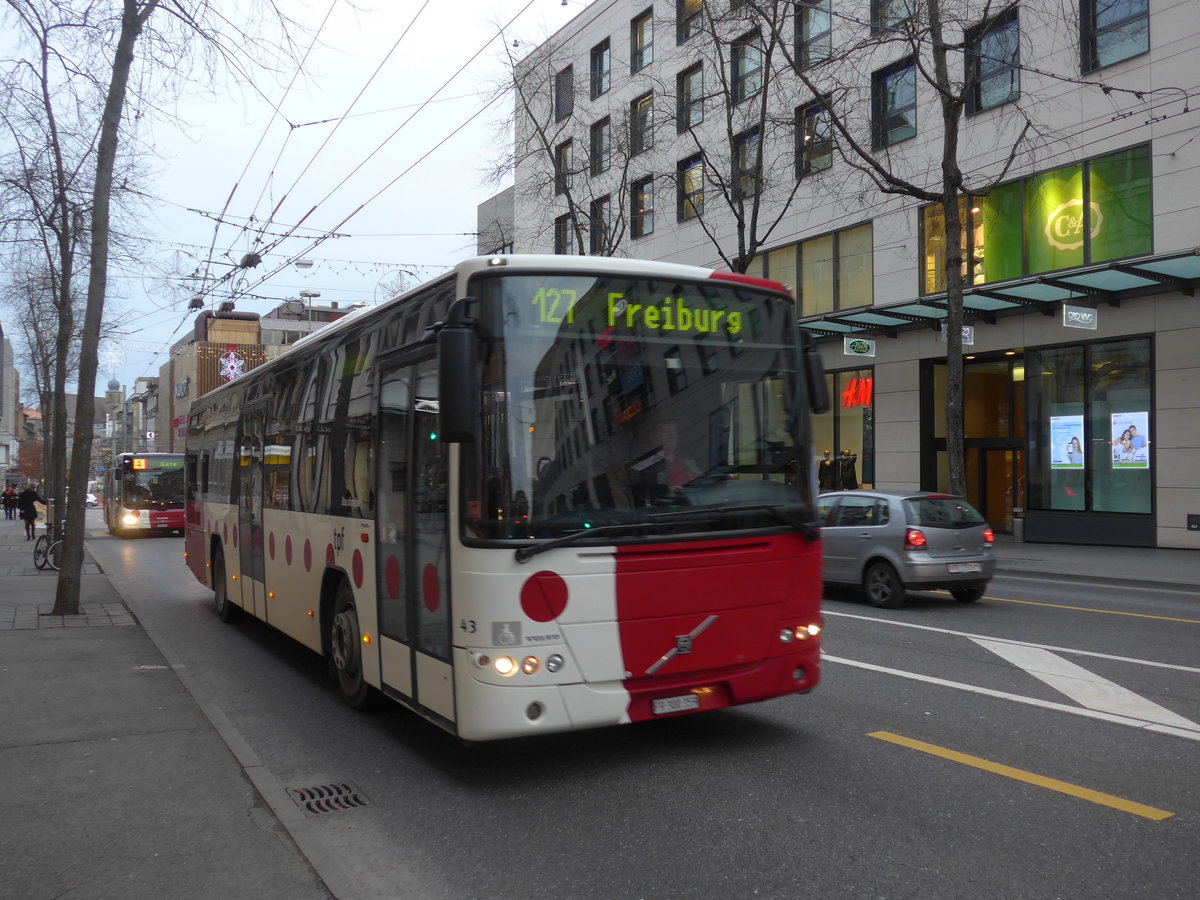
(814, 374)
(458, 375)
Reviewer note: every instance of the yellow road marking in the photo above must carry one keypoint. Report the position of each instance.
(1106, 612)
(1053, 784)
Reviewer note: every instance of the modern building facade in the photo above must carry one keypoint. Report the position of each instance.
(803, 143)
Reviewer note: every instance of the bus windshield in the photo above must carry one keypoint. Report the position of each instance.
(661, 406)
(158, 486)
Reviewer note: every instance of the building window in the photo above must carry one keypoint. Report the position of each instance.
(562, 235)
(1072, 216)
(710, 361)
(564, 94)
(691, 187)
(891, 14)
(641, 208)
(689, 89)
(641, 41)
(601, 68)
(746, 66)
(993, 64)
(814, 35)
(748, 164)
(601, 146)
(562, 168)
(895, 101)
(1113, 30)
(1099, 393)
(814, 147)
(688, 18)
(836, 271)
(601, 226)
(677, 378)
(846, 434)
(641, 124)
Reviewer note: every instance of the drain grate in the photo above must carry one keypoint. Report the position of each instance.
(327, 798)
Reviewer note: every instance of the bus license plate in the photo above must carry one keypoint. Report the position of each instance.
(665, 705)
(963, 568)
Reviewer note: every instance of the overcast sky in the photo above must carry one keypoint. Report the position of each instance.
(418, 203)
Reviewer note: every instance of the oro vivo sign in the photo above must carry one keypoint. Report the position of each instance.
(1080, 317)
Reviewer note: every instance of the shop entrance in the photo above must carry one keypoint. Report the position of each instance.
(996, 483)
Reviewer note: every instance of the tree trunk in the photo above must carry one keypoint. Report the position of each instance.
(133, 18)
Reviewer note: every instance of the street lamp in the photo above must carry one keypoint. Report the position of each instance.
(308, 297)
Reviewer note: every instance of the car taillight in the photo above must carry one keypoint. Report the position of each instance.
(914, 539)
(989, 536)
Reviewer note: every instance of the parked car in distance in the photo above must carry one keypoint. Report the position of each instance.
(890, 543)
(91, 500)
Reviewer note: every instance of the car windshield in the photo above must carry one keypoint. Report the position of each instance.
(941, 512)
(658, 406)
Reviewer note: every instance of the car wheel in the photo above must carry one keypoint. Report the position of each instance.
(227, 611)
(882, 585)
(968, 594)
(345, 650)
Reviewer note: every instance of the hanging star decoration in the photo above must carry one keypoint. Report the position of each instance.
(232, 364)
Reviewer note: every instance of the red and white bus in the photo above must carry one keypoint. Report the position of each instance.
(536, 494)
(143, 493)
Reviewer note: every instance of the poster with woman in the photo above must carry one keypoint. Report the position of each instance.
(1131, 440)
(1066, 442)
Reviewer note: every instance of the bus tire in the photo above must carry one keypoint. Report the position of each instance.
(227, 611)
(345, 649)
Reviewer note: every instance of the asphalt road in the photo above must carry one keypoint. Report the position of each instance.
(1041, 743)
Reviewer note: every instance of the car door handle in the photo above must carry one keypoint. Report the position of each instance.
(866, 535)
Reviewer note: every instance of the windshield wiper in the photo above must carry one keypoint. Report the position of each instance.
(524, 554)
(777, 512)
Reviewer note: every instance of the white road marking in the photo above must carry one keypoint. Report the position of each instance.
(1140, 662)
(1084, 687)
(1191, 734)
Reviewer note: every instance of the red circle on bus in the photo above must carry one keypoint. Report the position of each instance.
(287, 549)
(544, 596)
(430, 591)
(271, 545)
(307, 555)
(358, 569)
(391, 574)
(235, 535)
(225, 531)
(330, 558)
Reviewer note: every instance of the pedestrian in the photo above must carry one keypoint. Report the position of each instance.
(25, 503)
(10, 502)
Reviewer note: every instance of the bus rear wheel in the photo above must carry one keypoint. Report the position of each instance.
(226, 610)
(345, 650)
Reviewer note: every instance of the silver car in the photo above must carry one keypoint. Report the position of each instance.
(889, 543)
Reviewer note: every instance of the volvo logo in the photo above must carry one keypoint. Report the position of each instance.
(683, 645)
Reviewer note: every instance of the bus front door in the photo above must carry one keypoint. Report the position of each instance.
(413, 541)
(250, 511)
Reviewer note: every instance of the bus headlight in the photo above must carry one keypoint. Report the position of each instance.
(131, 517)
(505, 665)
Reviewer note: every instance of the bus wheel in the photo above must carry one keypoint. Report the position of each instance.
(227, 611)
(345, 651)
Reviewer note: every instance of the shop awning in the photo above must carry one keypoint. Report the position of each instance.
(1106, 283)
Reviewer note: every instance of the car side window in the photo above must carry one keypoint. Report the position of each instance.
(856, 512)
(882, 512)
(824, 505)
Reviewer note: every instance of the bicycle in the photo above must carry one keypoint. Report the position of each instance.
(47, 549)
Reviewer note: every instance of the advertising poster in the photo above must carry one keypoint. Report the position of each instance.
(1131, 440)
(1066, 442)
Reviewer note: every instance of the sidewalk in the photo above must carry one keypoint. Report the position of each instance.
(1126, 566)
(115, 784)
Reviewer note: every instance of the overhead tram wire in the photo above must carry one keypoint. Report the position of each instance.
(342, 118)
(401, 126)
(317, 242)
(266, 128)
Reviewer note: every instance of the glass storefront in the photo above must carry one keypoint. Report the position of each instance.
(1092, 425)
(845, 437)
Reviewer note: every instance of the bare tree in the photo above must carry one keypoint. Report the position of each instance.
(923, 43)
(72, 47)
